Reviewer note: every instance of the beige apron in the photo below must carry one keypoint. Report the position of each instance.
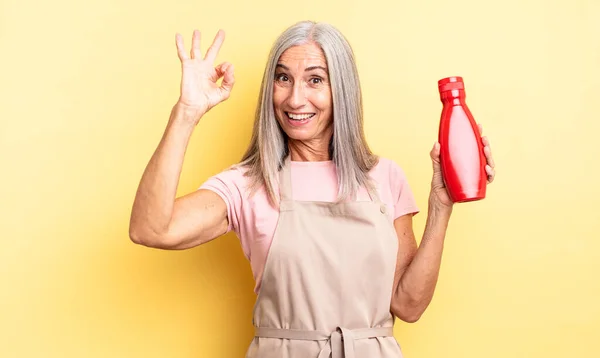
(327, 283)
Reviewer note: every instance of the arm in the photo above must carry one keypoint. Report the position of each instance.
(158, 219)
(417, 270)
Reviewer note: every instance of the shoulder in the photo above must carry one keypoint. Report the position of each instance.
(231, 183)
(234, 175)
(387, 170)
(390, 176)
(394, 188)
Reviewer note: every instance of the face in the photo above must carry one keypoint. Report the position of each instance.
(302, 94)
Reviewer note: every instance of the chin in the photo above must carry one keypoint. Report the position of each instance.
(296, 134)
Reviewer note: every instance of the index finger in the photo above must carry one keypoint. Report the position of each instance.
(212, 52)
(180, 47)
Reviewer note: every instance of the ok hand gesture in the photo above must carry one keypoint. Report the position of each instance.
(199, 88)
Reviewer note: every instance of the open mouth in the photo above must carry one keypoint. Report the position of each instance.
(299, 117)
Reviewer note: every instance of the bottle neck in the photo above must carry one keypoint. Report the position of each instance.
(454, 97)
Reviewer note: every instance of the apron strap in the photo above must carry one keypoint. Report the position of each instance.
(374, 196)
(341, 337)
(285, 180)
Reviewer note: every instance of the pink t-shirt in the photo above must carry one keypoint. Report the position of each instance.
(254, 220)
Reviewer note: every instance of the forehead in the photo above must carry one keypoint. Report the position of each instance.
(309, 54)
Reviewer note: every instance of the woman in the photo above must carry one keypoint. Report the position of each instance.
(334, 219)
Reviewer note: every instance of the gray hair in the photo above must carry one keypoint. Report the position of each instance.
(348, 148)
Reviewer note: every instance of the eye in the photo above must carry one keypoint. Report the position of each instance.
(282, 77)
(316, 80)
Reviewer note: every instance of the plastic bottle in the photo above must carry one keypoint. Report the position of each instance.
(461, 154)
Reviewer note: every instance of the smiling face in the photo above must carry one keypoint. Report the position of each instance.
(302, 95)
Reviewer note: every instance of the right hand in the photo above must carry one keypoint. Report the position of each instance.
(199, 88)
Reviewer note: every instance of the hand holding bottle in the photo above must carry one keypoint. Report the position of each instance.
(439, 192)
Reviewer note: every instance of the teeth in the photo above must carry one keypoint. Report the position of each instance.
(300, 117)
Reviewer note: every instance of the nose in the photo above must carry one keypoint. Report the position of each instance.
(297, 98)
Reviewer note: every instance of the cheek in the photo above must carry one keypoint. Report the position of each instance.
(322, 100)
(279, 95)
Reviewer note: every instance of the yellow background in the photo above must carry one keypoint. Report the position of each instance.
(85, 92)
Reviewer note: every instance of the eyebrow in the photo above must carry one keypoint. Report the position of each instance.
(311, 68)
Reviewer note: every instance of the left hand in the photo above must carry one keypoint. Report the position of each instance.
(439, 194)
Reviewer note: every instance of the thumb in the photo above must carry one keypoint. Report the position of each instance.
(226, 70)
(435, 157)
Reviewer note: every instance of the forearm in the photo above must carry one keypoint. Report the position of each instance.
(155, 197)
(417, 284)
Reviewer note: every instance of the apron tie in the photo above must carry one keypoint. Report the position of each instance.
(340, 343)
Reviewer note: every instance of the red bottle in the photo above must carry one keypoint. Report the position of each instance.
(461, 154)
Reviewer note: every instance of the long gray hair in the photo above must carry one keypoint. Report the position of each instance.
(348, 148)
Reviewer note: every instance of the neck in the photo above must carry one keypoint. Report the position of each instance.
(314, 150)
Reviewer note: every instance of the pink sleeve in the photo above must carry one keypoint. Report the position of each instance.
(404, 200)
(227, 185)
